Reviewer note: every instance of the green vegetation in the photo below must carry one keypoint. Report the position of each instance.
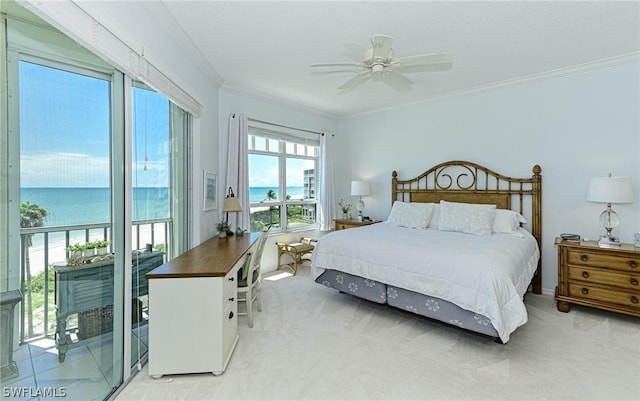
(264, 218)
(37, 282)
(271, 217)
(31, 215)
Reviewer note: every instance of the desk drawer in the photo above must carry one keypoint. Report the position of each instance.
(229, 326)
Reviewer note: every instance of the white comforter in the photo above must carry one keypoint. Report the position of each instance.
(484, 274)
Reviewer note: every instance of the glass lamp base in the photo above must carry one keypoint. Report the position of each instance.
(609, 220)
(609, 242)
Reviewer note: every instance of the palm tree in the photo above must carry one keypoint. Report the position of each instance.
(271, 195)
(31, 215)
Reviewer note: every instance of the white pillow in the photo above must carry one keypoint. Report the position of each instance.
(466, 217)
(412, 215)
(507, 221)
(435, 216)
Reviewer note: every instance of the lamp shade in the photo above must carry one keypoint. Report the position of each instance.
(231, 204)
(610, 190)
(359, 188)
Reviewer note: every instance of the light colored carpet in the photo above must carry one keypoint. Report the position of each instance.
(313, 343)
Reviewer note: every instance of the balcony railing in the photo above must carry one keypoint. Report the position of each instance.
(41, 247)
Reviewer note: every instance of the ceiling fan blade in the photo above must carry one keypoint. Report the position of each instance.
(340, 71)
(437, 58)
(336, 65)
(381, 45)
(423, 68)
(397, 81)
(356, 80)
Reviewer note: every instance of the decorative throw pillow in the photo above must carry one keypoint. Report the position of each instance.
(507, 221)
(411, 215)
(466, 217)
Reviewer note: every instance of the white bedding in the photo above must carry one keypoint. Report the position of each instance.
(486, 274)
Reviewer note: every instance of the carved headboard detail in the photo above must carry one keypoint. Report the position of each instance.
(467, 182)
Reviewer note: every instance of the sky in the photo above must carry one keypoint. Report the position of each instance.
(263, 171)
(63, 149)
(59, 148)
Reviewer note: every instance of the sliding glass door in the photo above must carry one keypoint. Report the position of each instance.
(159, 138)
(96, 196)
(72, 292)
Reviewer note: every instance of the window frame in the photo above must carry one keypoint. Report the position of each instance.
(281, 154)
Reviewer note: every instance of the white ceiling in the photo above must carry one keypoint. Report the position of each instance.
(266, 47)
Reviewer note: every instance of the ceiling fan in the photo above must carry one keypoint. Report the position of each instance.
(378, 64)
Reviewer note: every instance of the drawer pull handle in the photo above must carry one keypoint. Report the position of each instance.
(585, 291)
(634, 281)
(232, 299)
(230, 315)
(633, 264)
(634, 299)
(230, 278)
(584, 258)
(585, 274)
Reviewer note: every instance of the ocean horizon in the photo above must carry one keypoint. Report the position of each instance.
(76, 205)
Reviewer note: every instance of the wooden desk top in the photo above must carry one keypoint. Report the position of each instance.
(213, 258)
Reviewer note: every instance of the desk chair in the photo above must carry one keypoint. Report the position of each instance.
(250, 278)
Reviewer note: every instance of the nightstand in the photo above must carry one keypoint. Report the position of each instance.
(342, 224)
(603, 278)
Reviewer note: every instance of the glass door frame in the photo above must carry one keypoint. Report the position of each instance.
(120, 177)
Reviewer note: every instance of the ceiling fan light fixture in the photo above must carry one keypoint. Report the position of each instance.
(378, 64)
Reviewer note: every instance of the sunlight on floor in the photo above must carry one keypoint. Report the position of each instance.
(278, 276)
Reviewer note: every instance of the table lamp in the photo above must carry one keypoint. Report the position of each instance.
(231, 204)
(359, 188)
(610, 190)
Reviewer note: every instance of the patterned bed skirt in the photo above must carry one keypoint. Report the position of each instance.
(424, 305)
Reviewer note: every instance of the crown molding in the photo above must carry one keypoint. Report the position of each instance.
(573, 70)
(160, 12)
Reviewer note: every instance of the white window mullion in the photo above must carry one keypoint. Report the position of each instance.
(282, 164)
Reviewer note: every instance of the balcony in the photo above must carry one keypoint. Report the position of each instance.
(46, 247)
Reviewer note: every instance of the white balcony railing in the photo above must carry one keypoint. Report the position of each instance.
(41, 247)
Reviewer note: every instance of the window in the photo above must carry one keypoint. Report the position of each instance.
(282, 180)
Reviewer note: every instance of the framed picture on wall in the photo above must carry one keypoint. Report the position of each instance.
(209, 188)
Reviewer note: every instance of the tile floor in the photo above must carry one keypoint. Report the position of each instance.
(86, 374)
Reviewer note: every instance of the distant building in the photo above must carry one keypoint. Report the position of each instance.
(310, 184)
(309, 211)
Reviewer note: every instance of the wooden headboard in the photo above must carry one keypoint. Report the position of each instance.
(467, 182)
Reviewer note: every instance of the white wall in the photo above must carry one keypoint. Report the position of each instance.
(270, 110)
(133, 24)
(574, 127)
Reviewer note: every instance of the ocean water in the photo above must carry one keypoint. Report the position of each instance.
(258, 194)
(70, 206)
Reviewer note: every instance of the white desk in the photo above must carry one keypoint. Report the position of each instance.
(193, 308)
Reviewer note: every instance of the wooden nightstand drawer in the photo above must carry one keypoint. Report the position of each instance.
(590, 275)
(341, 224)
(599, 259)
(604, 278)
(605, 295)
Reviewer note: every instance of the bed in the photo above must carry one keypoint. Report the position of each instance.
(461, 245)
